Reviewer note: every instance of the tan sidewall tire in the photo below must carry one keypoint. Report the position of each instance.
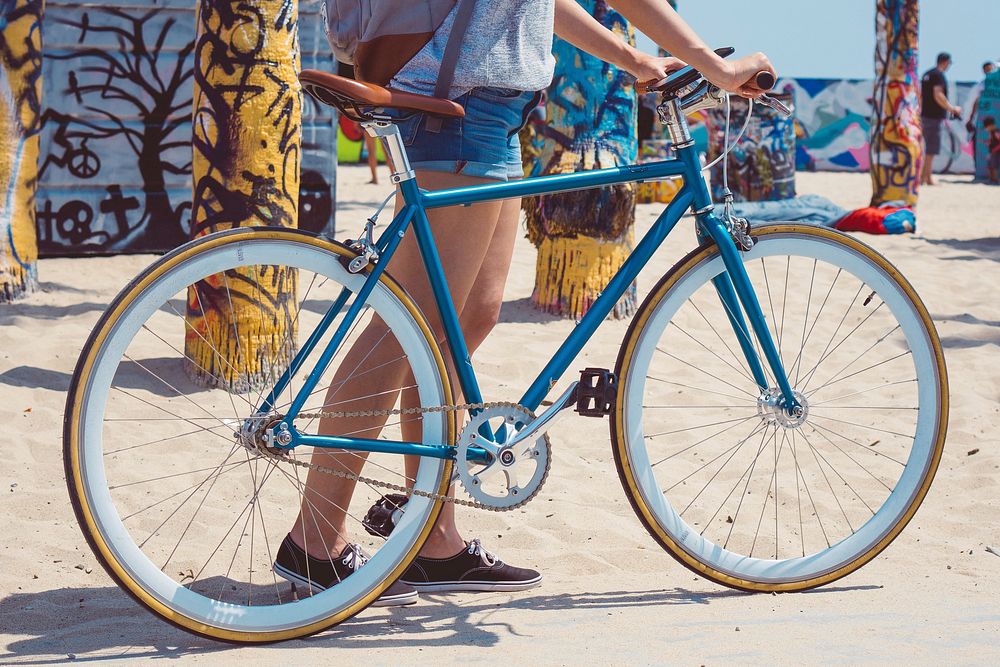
(618, 441)
(71, 424)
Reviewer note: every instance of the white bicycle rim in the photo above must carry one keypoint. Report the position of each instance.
(166, 590)
(843, 552)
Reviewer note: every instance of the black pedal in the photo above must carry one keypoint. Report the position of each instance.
(383, 516)
(595, 395)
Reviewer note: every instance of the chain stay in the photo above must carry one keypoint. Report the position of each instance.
(408, 490)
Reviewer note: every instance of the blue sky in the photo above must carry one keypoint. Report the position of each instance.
(836, 38)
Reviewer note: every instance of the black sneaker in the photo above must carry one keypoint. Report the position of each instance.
(471, 569)
(298, 567)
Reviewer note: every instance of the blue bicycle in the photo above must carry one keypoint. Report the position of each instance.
(777, 411)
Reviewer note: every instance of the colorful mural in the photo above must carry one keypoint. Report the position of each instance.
(20, 120)
(583, 237)
(115, 168)
(833, 126)
(246, 140)
(762, 164)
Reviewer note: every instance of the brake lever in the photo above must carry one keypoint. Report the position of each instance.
(777, 105)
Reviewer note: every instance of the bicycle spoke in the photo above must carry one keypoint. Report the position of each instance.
(863, 391)
(863, 370)
(697, 428)
(863, 354)
(749, 476)
(713, 353)
(797, 364)
(739, 359)
(701, 370)
(687, 386)
(177, 391)
(833, 493)
(703, 440)
(833, 336)
(872, 428)
(842, 478)
(732, 451)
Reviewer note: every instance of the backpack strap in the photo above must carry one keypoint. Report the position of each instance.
(449, 60)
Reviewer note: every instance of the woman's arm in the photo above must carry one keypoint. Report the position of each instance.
(663, 25)
(576, 26)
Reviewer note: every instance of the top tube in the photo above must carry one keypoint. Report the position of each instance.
(541, 185)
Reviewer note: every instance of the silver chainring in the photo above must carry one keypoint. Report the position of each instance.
(516, 474)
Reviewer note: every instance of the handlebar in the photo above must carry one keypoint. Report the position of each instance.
(688, 75)
(765, 80)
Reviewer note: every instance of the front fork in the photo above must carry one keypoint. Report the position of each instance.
(733, 286)
(734, 289)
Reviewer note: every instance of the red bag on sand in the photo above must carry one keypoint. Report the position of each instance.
(878, 220)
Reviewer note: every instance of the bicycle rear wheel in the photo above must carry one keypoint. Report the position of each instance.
(184, 513)
(732, 487)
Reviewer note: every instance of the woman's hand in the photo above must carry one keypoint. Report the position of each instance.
(649, 70)
(739, 76)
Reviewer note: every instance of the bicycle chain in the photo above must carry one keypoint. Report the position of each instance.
(396, 412)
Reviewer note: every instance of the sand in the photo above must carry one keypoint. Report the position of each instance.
(610, 595)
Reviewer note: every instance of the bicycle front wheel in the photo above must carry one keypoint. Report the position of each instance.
(185, 511)
(730, 485)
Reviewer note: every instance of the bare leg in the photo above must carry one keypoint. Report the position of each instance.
(927, 173)
(321, 527)
(372, 151)
(478, 317)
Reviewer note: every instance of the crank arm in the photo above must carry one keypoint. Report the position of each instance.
(545, 420)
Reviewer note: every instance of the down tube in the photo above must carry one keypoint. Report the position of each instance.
(601, 308)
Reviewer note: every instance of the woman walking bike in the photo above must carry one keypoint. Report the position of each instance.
(778, 407)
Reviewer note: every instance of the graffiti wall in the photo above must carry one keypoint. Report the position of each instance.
(115, 161)
(833, 123)
(762, 166)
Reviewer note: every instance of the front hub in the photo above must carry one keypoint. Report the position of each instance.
(771, 409)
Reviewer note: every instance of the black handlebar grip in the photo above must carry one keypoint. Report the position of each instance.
(765, 80)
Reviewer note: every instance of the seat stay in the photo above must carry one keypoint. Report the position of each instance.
(309, 384)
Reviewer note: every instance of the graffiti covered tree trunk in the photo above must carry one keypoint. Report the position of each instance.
(20, 122)
(247, 110)
(584, 237)
(896, 139)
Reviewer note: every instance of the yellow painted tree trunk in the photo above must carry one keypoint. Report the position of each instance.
(246, 140)
(897, 151)
(20, 123)
(584, 237)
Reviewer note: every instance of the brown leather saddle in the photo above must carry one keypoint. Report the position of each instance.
(358, 99)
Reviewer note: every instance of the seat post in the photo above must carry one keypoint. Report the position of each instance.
(382, 127)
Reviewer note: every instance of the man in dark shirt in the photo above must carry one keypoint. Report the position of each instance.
(934, 108)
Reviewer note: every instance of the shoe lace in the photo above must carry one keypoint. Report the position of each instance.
(353, 557)
(476, 549)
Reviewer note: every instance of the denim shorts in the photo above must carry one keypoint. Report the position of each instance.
(484, 143)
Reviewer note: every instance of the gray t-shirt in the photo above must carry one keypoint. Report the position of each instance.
(508, 44)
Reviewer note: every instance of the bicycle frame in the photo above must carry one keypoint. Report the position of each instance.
(733, 287)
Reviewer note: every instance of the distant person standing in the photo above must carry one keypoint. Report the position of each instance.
(988, 68)
(993, 135)
(934, 108)
(977, 92)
